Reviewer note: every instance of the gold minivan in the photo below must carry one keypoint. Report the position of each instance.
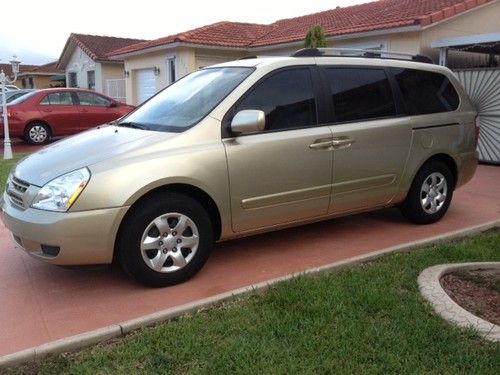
(241, 148)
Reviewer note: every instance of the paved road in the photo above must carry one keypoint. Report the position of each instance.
(40, 303)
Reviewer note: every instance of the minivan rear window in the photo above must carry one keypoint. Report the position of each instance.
(426, 92)
(360, 94)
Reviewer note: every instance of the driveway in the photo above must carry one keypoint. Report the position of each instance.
(40, 303)
(18, 146)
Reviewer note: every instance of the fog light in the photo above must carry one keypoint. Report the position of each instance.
(51, 251)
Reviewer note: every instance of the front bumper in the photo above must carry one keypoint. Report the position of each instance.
(86, 237)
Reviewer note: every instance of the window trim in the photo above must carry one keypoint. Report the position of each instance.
(168, 78)
(91, 74)
(75, 76)
(318, 97)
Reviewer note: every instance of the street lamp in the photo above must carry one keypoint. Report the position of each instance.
(7, 148)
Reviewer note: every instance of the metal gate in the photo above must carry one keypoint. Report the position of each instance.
(483, 87)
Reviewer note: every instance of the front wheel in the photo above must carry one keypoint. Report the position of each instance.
(430, 194)
(165, 240)
(37, 133)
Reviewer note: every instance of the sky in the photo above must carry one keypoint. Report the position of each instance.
(37, 32)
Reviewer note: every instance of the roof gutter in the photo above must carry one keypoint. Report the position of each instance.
(335, 38)
(170, 46)
(37, 74)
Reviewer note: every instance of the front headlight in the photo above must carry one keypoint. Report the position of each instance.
(7, 184)
(60, 193)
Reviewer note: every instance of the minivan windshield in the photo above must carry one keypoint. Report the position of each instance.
(187, 101)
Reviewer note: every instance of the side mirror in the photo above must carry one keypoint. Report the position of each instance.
(248, 121)
(112, 105)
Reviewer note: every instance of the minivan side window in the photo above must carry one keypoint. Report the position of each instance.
(360, 94)
(426, 92)
(287, 99)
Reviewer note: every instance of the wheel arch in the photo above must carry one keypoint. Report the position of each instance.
(192, 191)
(443, 157)
(447, 160)
(37, 121)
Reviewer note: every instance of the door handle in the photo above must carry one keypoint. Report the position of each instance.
(342, 142)
(320, 144)
(47, 110)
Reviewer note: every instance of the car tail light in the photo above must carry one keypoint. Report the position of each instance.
(476, 123)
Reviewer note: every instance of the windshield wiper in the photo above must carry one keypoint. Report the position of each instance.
(133, 125)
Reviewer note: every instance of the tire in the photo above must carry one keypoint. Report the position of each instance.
(430, 193)
(37, 133)
(151, 239)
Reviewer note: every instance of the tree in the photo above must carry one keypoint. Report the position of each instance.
(315, 38)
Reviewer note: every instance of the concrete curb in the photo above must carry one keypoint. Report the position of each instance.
(431, 289)
(121, 329)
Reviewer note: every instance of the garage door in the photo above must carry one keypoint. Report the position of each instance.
(483, 87)
(146, 84)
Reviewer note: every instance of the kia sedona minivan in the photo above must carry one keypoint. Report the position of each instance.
(241, 148)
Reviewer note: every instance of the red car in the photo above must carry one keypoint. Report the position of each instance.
(38, 116)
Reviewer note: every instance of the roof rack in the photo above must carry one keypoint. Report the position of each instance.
(357, 52)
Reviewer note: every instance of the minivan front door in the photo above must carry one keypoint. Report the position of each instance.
(282, 174)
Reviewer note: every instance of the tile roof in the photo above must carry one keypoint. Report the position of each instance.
(97, 47)
(46, 69)
(222, 34)
(7, 68)
(376, 15)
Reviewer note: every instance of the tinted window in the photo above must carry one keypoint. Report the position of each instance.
(286, 98)
(87, 98)
(58, 98)
(360, 94)
(426, 92)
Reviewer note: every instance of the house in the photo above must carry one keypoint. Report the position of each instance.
(7, 69)
(408, 26)
(86, 64)
(153, 65)
(41, 77)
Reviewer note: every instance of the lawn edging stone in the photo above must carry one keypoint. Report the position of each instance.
(431, 289)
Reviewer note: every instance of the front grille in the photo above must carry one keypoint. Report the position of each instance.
(19, 185)
(15, 191)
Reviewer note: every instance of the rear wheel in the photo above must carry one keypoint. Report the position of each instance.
(430, 193)
(165, 240)
(37, 133)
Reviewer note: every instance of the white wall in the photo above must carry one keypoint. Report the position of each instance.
(184, 64)
(81, 63)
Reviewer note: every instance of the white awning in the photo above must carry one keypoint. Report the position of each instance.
(481, 43)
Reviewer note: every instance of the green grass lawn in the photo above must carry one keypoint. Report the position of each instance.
(365, 319)
(5, 166)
